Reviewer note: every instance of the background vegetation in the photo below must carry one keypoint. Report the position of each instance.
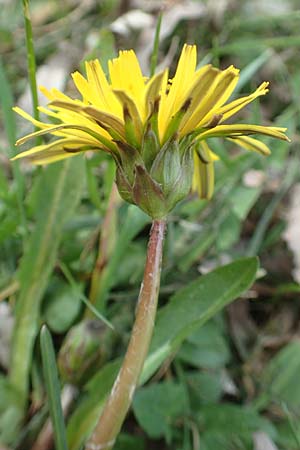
(229, 377)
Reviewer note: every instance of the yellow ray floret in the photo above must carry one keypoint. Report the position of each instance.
(126, 111)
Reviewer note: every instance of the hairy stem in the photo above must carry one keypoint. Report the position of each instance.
(120, 398)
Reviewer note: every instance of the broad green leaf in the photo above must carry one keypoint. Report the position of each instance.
(61, 307)
(230, 426)
(206, 348)
(59, 192)
(53, 389)
(157, 406)
(205, 387)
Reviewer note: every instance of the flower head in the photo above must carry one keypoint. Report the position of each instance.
(156, 129)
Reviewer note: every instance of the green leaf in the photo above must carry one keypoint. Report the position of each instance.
(157, 406)
(53, 389)
(280, 379)
(61, 307)
(205, 387)
(59, 192)
(206, 348)
(230, 427)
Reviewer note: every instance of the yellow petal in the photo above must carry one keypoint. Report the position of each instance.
(153, 88)
(43, 154)
(54, 94)
(128, 104)
(238, 130)
(28, 117)
(126, 75)
(62, 129)
(72, 130)
(51, 130)
(84, 88)
(233, 107)
(45, 158)
(104, 117)
(99, 86)
(203, 178)
(172, 101)
(217, 94)
(252, 144)
(81, 119)
(203, 81)
(48, 112)
(213, 156)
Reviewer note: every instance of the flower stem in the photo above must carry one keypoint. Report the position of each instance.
(118, 403)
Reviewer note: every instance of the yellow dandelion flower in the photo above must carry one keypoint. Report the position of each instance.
(156, 129)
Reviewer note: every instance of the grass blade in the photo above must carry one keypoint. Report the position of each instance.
(31, 61)
(252, 68)
(154, 55)
(6, 106)
(7, 102)
(61, 186)
(82, 297)
(53, 389)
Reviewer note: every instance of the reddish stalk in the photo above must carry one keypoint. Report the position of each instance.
(119, 401)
